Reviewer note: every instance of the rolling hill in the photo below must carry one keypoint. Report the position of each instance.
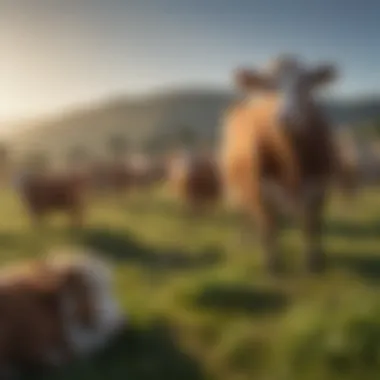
(152, 119)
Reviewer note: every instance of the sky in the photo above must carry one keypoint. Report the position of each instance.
(55, 54)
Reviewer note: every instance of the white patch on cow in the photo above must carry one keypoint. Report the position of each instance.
(288, 87)
(110, 318)
(289, 92)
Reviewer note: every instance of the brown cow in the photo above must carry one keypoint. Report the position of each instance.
(195, 179)
(278, 150)
(43, 193)
(55, 309)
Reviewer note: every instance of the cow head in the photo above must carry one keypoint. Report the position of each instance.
(93, 314)
(295, 84)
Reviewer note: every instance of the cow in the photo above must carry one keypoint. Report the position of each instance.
(277, 152)
(43, 193)
(56, 309)
(195, 179)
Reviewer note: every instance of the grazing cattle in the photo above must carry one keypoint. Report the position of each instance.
(54, 310)
(195, 180)
(277, 151)
(44, 193)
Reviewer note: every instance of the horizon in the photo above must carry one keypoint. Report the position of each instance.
(152, 93)
(83, 52)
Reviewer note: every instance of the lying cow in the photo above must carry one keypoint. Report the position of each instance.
(55, 310)
(45, 193)
(277, 151)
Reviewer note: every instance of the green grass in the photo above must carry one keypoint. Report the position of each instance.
(200, 303)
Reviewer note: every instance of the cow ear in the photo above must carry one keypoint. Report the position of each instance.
(323, 74)
(250, 80)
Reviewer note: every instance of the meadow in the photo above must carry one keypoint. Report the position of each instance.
(200, 303)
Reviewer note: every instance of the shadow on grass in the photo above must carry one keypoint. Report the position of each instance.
(174, 208)
(149, 353)
(353, 230)
(366, 267)
(122, 247)
(239, 298)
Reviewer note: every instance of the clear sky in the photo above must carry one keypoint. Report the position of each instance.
(56, 53)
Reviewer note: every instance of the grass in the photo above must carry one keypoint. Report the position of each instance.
(199, 301)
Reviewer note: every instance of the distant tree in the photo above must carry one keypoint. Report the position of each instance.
(118, 146)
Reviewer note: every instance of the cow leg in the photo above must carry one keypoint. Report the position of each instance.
(267, 227)
(246, 237)
(312, 224)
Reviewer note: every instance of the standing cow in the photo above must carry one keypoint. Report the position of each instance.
(195, 179)
(43, 193)
(277, 149)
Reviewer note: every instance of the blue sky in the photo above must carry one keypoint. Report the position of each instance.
(57, 53)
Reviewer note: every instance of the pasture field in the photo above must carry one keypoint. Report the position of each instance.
(200, 303)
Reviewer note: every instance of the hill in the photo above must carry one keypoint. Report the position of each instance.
(153, 119)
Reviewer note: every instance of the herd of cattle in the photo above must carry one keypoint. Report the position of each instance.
(277, 153)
